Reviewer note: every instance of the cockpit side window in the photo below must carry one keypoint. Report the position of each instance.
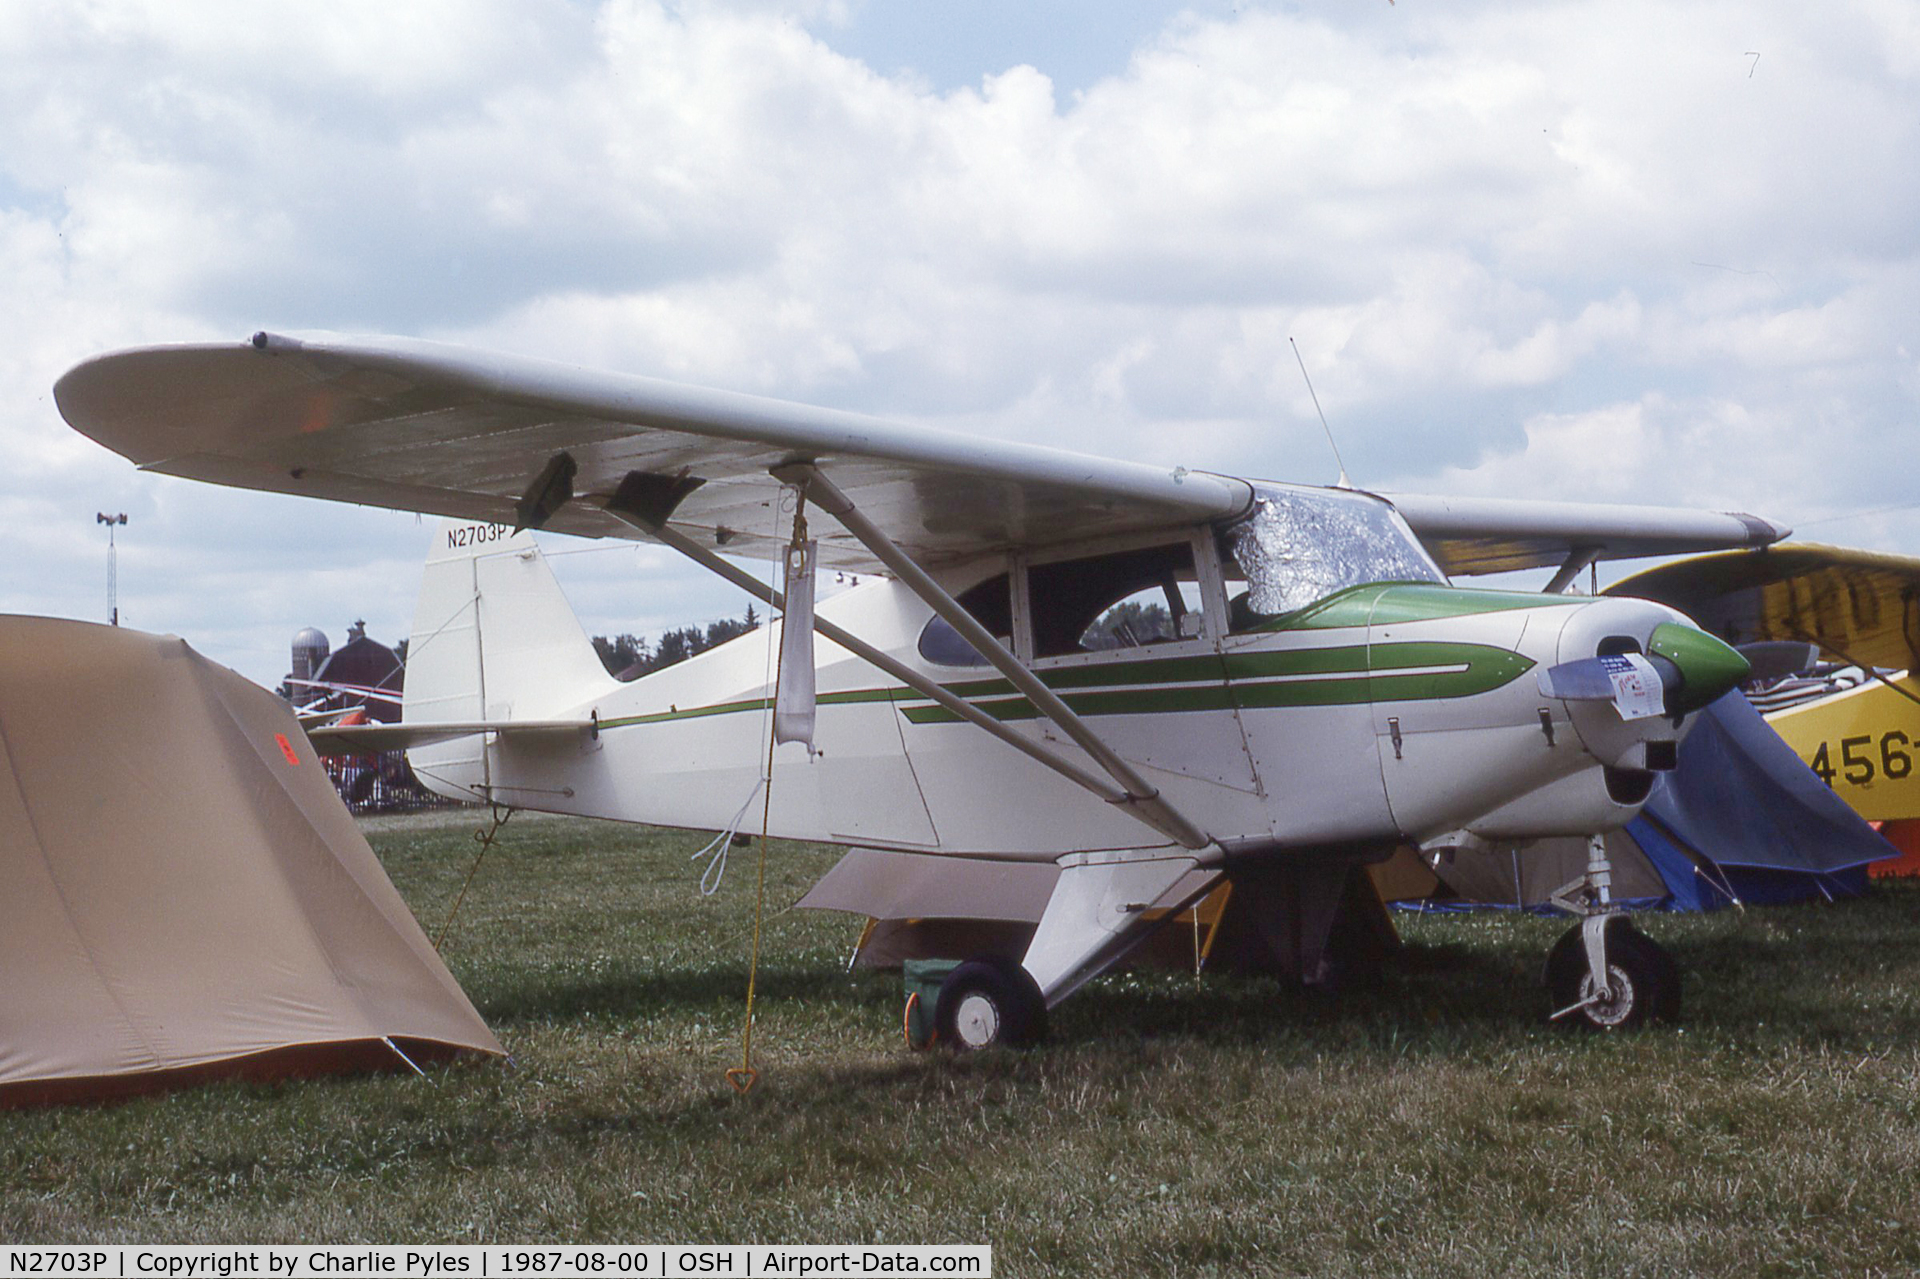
(991, 604)
(1126, 599)
(1300, 545)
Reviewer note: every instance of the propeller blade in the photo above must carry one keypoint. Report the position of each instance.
(1777, 659)
(1686, 669)
(1637, 686)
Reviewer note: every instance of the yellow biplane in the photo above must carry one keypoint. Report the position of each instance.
(1851, 709)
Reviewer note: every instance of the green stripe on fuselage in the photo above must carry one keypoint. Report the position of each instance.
(1415, 671)
(1121, 701)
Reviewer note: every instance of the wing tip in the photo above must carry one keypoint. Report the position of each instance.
(1761, 532)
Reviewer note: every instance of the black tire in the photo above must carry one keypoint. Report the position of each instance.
(989, 1003)
(1643, 977)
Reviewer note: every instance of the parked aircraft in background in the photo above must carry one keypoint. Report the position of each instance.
(1836, 631)
(1316, 693)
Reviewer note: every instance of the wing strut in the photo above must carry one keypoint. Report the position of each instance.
(1139, 798)
(913, 679)
(1575, 564)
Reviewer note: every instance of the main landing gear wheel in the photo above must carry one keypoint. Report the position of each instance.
(989, 1003)
(1643, 982)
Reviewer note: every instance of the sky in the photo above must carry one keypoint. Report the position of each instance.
(1648, 252)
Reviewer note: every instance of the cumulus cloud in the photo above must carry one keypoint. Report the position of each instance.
(1586, 249)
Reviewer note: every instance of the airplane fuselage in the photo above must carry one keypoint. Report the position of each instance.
(1386, 712)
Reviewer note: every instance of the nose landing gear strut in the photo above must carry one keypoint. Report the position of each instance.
(1604, 974)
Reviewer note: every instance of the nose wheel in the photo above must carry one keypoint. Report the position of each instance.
(1642, 982)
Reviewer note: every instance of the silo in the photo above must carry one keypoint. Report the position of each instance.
(310, 649)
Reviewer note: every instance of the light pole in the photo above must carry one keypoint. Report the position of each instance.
(113, 562)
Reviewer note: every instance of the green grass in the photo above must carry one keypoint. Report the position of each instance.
(1426, 1124)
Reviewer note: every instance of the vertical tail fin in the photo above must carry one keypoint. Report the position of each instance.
(493, 639)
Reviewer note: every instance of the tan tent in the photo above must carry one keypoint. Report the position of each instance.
(182, 894)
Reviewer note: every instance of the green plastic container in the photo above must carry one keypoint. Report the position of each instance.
(922, 978)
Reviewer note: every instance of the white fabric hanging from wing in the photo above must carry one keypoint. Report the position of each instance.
(793, 708)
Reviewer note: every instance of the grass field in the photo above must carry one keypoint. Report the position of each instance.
(1427, 1124)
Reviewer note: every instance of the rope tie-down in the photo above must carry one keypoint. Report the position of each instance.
(792, 720)
(486, 838)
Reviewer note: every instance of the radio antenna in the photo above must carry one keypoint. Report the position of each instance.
(1343, 481)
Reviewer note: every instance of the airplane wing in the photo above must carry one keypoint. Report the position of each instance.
(420, 426)
(1858, 605)
(1468, 535)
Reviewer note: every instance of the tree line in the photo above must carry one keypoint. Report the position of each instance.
(628, 657)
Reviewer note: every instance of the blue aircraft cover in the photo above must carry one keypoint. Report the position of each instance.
(1744, 803)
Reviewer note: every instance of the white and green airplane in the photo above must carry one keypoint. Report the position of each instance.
(1133, 680)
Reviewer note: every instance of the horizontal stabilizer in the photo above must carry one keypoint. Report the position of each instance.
(372, 739)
